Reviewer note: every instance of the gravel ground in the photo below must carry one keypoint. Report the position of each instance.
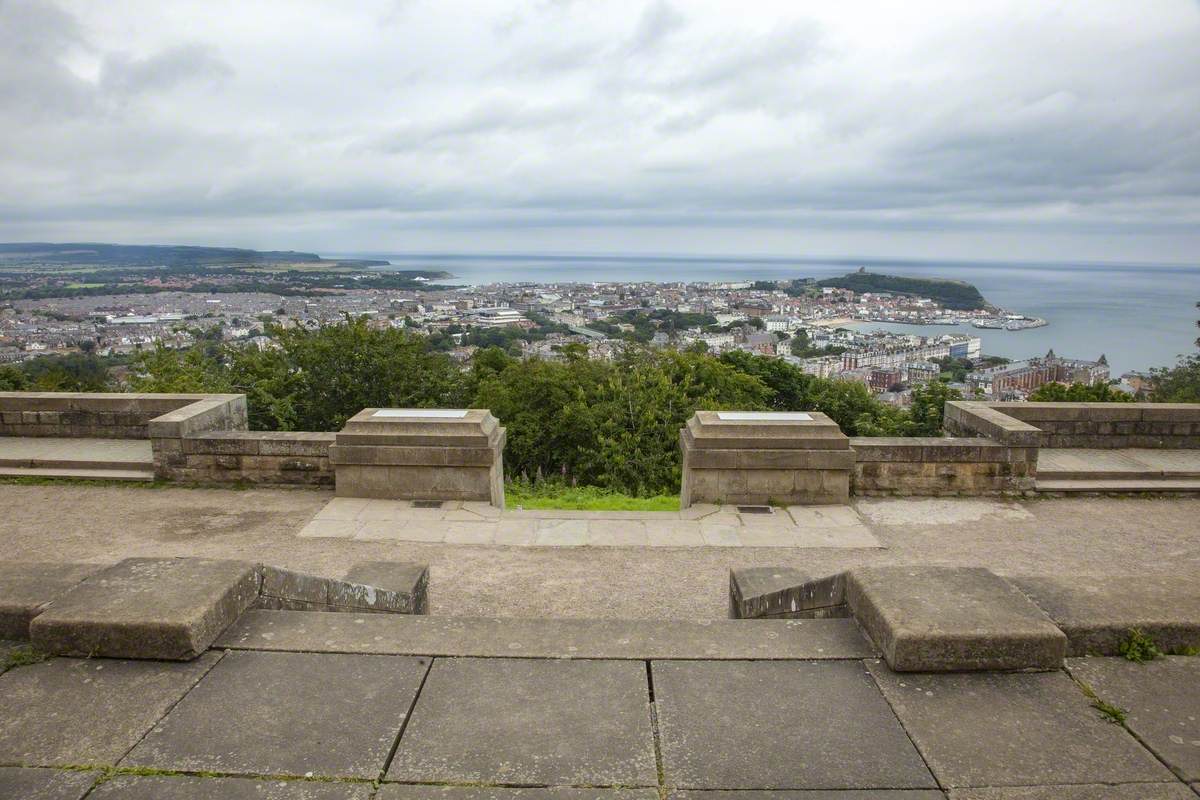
(1041, 536)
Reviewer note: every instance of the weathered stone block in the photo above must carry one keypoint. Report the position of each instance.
(27, 589)
(784, 593)
(169, 609)
(949, 619)
(1097, 613)
(405, 579)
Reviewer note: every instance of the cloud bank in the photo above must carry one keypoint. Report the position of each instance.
(989, 129)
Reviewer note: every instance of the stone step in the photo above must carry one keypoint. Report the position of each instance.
(476, 637)
(77, 473)
(173, 609)
(76, 463)
(1108, 474)
(951, 619)
(1119, 485)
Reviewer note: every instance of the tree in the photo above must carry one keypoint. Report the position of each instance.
(12, 379)
(928, 406)
(1180, 383)
(1079, 393)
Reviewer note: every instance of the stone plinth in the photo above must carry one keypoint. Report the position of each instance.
(756, 458)
(428, 454)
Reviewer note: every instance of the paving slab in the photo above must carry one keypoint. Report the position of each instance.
(1013, 729)
(936, 619)
(26, 589)
(525, 721)
(851, 794)
(1097, 612)
(72, 711)
(395, 791)
(1093, 791)
(780, 725)
(184, 787)
(387, 634)
(160, 608)
(287, 714)
(1161, 698)
(31, 783)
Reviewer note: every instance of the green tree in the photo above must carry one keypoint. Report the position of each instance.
(1180, 383)
(12, 379)
(928, 406)
(1079, 393)
(178, 371)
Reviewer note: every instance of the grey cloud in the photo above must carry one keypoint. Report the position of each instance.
(658, 20)
(163, 70)
(606, 117)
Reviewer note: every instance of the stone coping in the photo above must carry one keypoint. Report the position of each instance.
(102, 401)
(475, 428)
(547, 638)
(983, 419)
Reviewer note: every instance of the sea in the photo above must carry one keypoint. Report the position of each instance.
(1138, 315)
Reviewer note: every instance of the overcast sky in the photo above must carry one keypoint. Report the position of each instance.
(998, 130)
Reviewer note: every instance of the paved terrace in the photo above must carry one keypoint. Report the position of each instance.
(278, 709)
(1095, 536)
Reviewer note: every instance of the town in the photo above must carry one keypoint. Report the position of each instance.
(817, 328)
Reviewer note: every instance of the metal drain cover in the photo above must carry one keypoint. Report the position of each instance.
(426, 503)
(755, 510)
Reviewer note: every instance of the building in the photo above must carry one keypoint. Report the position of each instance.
(1023, 377)
(921, 372)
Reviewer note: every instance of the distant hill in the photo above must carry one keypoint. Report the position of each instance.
(955, 295)
(94, 254)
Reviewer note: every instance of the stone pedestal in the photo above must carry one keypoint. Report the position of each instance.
(420, 454)
(758, 458)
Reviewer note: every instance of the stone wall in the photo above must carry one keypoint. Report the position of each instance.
(263, 457)
(1110, 425)
(91, 415)
(933, 466)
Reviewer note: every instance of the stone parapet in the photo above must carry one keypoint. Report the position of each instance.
(95, 415)
(1076, 425)
(929, 466)
(420, 454)
(260, 457)
(970, 418)
(758, 458)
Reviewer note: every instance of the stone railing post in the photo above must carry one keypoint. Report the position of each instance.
(756, 458)
(420, 454)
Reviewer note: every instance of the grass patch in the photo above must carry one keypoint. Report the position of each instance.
(1139, 647)
(1114, 714)
(1111, 713)
(21, 657)
(582, 498)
